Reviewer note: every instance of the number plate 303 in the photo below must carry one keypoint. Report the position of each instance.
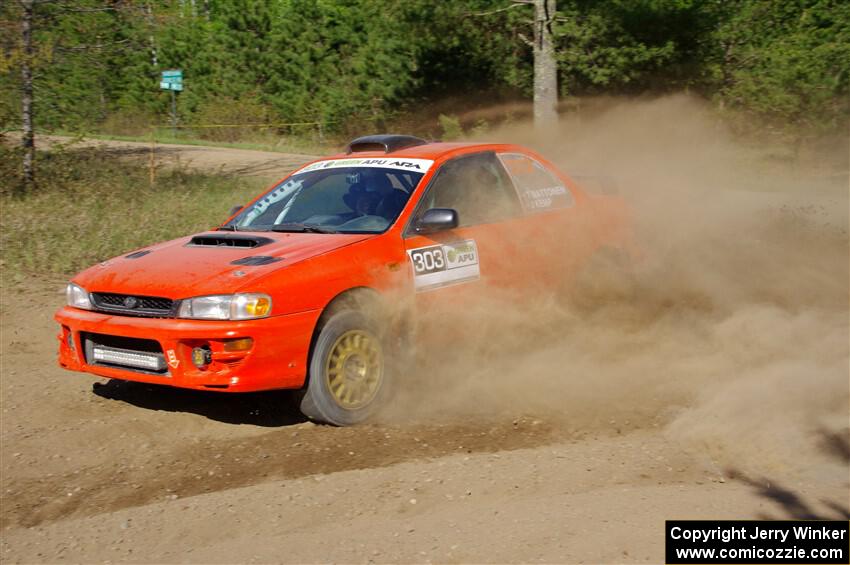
(428, 259)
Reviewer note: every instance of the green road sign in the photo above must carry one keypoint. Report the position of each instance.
(171, 80)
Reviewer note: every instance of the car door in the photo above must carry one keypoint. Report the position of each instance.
(453, 267)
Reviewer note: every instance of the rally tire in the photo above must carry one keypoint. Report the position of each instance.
(348, 355)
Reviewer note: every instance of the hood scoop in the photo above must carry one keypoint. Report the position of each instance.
(256, 260)
(228, 240)
(137, 254)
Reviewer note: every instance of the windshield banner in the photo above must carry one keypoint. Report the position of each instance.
(414, 165)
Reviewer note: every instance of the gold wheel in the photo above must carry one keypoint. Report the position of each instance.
(354, 369)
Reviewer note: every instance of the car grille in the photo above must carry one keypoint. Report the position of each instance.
(133, 305)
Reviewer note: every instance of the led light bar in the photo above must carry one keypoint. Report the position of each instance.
(150, 361)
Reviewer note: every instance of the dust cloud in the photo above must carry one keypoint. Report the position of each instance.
(732, 335)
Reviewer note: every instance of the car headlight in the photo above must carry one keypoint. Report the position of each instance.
(77, 296)
(243, 306)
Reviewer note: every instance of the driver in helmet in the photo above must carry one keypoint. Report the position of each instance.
(361, 200)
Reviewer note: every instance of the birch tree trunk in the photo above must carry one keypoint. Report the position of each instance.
(545, 66)
(151, 38)
(28, 137)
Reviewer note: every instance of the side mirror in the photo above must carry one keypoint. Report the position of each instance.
(437, 219)
(234, 210)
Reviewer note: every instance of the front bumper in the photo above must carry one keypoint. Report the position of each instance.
(277, 359)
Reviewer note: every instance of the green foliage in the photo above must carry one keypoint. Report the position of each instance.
(357, 65)
(453, 130)
(128, 121)
(784, 60)
(451, 127)
(229, 111)
(480, 128)
(338, 61)
(626, 45)
(79, 51)
(471, 47)
(91, 206)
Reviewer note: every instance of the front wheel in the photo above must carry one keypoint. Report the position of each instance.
(348, 377)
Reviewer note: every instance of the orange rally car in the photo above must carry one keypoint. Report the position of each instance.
(316, 284)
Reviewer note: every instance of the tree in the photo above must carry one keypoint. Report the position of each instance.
(628, 46)
(61, 50)
(787, 61)
(81, 65)
(346, 62)
(16, 22)
(545, 66)
(613, 44)
(28, 132)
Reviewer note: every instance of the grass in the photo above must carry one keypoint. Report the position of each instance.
(90, 206)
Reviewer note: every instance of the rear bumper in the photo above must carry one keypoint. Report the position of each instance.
(277, 358)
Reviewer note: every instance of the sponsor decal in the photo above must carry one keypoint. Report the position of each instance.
(417, 165)
(538, 187)
(542, 197)
(173, 361)
(436, 266)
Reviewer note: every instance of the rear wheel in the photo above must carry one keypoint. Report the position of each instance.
(348, 377)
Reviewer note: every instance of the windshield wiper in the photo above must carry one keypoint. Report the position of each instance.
(227, 227)
(299, 227)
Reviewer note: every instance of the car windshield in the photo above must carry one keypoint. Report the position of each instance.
(337, 199)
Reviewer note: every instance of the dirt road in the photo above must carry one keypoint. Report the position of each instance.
(698, 399)
(225, 160)
(100, 471)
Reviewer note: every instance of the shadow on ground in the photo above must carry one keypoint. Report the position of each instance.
(792, 505)
(268, 409)
(203, 465)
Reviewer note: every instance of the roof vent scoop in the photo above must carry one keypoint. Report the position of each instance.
(386, 143)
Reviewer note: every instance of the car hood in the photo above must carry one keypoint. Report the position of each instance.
(203, 264)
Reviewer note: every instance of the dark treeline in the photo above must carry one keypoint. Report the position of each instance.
(96, 63)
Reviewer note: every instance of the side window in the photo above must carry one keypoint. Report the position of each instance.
(477, 186)
(538, 188)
